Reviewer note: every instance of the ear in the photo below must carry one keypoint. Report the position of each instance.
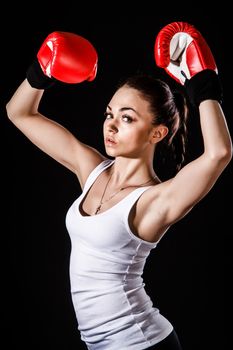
(158, 133)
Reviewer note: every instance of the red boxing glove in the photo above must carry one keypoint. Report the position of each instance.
(68, 57)
(182, 51)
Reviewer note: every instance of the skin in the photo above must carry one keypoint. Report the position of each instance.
(131, 139)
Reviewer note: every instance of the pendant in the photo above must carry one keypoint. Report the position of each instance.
(97, 209)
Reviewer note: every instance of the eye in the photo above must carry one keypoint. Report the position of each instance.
(108, 115)
(127, 118)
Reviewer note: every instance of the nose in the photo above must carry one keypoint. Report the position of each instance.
(112, 126)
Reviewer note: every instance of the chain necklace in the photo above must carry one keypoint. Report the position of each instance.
(116, 192)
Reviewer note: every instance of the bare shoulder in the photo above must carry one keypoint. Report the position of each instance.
(155, 191)
(90, 159)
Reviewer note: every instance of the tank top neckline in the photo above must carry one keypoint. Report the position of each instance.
(95, 176)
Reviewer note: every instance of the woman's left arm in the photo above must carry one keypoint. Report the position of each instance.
(183, 52)
(166, 203)
(196, 179)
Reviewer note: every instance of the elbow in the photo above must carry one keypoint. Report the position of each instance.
(10, 113)
(229, 154)
(222, 156)
(226, 154)
(226, 158)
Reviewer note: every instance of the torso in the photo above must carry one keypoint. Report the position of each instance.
(106, 265)
(147, 232)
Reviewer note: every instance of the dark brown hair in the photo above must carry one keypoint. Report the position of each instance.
(169, 108)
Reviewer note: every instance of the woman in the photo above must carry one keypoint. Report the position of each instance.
(124, 209)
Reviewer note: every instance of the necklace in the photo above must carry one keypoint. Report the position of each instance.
(116, 192)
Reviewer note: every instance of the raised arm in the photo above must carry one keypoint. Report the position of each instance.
(183, 53)
(191, 63)
(69, 58)
(196, 179)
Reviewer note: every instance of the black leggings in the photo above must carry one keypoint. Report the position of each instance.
(171, 342)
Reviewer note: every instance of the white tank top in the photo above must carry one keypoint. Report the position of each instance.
(112, 307)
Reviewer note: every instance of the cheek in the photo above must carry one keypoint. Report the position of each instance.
(140, 134)
(105, 124)
(134, 139)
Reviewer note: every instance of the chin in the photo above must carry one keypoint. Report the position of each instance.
(111, 152)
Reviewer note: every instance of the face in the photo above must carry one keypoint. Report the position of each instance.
(128, 125)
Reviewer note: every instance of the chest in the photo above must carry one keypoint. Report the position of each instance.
(108, 231)
(97, 200)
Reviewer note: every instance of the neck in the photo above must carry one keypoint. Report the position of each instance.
(131, 171)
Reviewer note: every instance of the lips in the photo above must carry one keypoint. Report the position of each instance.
(110, 140)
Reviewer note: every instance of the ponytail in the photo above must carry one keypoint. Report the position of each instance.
(179, 139)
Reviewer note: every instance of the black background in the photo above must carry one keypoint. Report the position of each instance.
(188, 274)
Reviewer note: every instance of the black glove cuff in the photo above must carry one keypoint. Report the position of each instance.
(36, 77)
(205, 85)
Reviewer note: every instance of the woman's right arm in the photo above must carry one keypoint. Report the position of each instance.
(51, 137)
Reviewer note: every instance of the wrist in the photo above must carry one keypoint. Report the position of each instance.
(205, 85)
(36, 77)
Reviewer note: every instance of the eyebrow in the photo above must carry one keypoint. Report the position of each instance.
(126, 109)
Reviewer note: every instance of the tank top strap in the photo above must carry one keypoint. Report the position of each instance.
(126, 207)
(132, 198)
(96, 172)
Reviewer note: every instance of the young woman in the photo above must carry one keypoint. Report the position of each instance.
(124, 209)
